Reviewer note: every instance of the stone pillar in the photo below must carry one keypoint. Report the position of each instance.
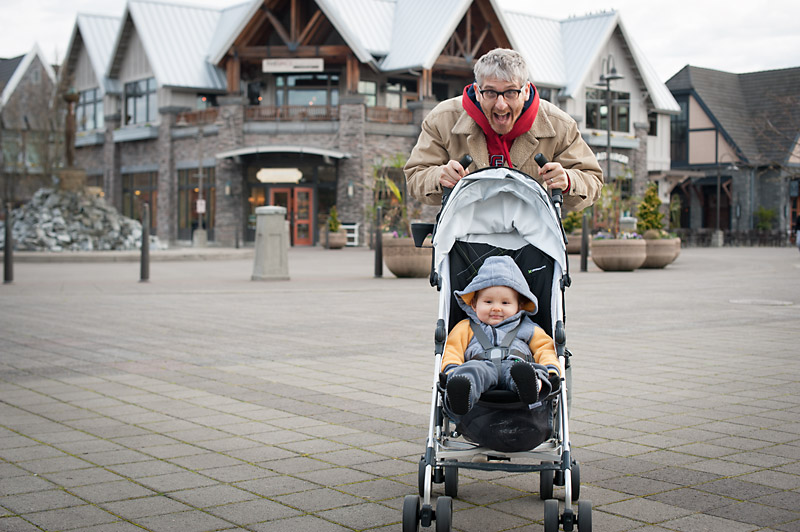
(229, 174)
(352, 118)
(112, 176)
(165, 211)
(420, 109)
(640, 174)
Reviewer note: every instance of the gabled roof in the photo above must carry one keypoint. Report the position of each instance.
(757, 112)
(19, 72)
(421, 31)
(97, 34)
(7, 69)
(176, 39)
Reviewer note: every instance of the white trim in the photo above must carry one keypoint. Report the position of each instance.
(274, 148)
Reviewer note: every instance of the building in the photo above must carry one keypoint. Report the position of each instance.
(297, 102)
(29, 139)
(738, 134)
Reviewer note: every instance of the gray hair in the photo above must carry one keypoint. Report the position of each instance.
(502, 63)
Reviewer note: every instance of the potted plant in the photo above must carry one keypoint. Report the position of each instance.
(337, 235)
(400, 255)
(573, 223)
(661, 247)
(612, 249)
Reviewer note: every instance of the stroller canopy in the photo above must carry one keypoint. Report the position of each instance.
(502, 207)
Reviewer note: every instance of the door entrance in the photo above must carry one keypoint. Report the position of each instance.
(298, 202)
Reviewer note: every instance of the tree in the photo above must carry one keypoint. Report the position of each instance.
(649, 213)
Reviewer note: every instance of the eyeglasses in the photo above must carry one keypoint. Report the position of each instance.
(509, 95)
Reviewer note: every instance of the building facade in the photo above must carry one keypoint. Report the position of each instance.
(738, 135)
(297, 103)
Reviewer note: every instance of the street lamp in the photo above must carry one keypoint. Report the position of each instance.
(608, 73)
(718, 238)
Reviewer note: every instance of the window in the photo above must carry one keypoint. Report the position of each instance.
(204, 101)
(369, 89)
(188, 194)
(89, 110)
(398, 92)
(597, 111)
(679, 134)
(137, 189)
(141, 103)
(307, 89)
(652, 120)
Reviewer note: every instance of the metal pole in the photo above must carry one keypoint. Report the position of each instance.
(718, 195)
(8, 255)
(585, 242)
(144, 272)
(608, 128)
(378, 243)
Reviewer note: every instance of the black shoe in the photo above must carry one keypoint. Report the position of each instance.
(458, 389)
(525, 379)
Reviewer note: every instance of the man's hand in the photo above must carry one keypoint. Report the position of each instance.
(554, 176)
(452, 172)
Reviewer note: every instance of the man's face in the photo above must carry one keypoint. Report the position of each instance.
(502, 111)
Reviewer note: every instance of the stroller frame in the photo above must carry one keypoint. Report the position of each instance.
(445, 454)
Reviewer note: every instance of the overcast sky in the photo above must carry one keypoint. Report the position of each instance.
(724, 35)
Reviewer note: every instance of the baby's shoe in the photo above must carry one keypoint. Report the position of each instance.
(458, 391)
(526, 381)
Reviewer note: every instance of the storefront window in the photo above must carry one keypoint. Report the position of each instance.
(369, 89)
(138, 189)
(188, 194)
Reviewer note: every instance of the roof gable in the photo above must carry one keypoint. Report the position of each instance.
(21, 69)
(7, 69)
(96, 34)
(175, 39)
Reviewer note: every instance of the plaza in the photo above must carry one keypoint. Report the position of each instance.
(204, 401)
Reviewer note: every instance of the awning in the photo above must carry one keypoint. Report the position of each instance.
(275, 148)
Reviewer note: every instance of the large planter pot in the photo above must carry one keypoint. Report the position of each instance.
(660, 252)
(404, 259)
(618, 254)
(574, 242)
(337, 240)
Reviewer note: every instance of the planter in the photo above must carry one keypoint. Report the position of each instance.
(660, 252)
(337, 240)
(618, 254)
(404, 259)
(574, 242)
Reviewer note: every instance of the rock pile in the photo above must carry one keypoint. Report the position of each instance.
(58, 220)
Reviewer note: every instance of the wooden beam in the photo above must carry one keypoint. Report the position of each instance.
(452, 61)
(493, 23)
(339, 52)
(477, 47)
(353, 73)
(310, 28)
(287, 40)
(293, 23)
(233, 70)
(251, 29)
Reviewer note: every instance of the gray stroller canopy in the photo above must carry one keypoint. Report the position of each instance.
(501, 207)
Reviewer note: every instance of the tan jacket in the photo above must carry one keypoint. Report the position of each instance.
(448, 133)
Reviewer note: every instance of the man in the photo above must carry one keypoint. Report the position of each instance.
(500, 121)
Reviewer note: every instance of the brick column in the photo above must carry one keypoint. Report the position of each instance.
(229, 176)
(112, 176)
(352, 118)
(640, 174)
(167, 204)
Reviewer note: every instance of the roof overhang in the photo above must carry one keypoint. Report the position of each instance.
(274, 148)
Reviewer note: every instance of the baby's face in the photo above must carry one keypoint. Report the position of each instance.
(495, 304)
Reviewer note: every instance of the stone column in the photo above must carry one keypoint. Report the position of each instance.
(166, 208)
(229, 174)
(352, 118)
(420, 109)
(640, 174)
(112, 176)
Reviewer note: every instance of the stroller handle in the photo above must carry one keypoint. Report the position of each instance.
(557, 194)
(465, 161)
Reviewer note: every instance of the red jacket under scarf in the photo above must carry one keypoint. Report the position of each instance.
(499, 145)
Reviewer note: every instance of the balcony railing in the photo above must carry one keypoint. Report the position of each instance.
(292, 113)
(194, 118)
(387, 115)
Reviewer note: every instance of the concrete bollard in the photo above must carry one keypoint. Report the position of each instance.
(272, 245)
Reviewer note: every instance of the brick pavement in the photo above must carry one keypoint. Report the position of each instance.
(203, 401)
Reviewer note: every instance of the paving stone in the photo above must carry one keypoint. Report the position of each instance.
(707, 523)
(70, 518)
(255, 511)
(756, 514)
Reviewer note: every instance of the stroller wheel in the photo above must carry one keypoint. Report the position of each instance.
(421, 477)
(546, 483)
(411, 513)
(550, 515)
(585, 516)
(576, 481)
(444, 514)
(451, 482)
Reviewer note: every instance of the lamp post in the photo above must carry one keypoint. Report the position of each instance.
(608, 73)
(719, 240)
(199, 235)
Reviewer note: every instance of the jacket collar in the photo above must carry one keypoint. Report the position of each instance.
(523, 147)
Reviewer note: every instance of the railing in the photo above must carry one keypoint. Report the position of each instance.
(387, 115)
(754, 238)
(291, 113)
(194, 118)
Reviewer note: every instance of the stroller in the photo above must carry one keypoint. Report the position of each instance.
(499, 211)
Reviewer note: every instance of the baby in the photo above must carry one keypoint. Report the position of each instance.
(499, 304)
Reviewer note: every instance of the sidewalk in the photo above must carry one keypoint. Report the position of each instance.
(203, 401)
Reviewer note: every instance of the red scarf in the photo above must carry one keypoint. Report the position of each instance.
(500, 145)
